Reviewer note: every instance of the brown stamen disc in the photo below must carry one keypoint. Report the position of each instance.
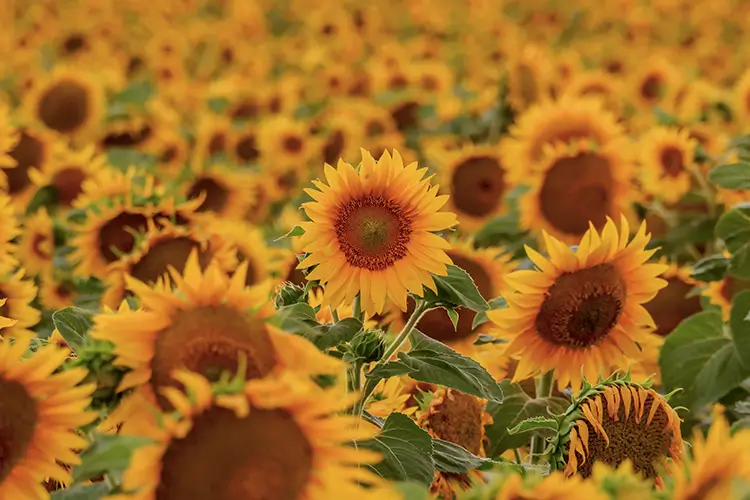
(169, 252)
(458, 419)
(216, 194)
(671, 305)
(65, 107)
(672, 162)
(478, 185)
(116, 236)
(68, 183)
(28, 153)
(18, 419)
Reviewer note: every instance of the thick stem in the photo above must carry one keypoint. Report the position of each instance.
(354, 376)
(357, 309)
(543, 390)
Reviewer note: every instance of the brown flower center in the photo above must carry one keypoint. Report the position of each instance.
(334, 147)
(575, 191)
(29, 152)
(565, 132)
(652, 87)
(127, 139)
(295, 275)
(209, 340)
(274, 461)
(406, 115)
(374, 128)
(216, 198)
(217, 144)
(68, 184)
(731, 286)
(293, 144)
(458, 419)
(169, 252)
(373, 232)
(116, 237)
(18, 419)
(65, 107)
(73, 44)
(671, 306)
(246, 149)
(582, 307)
(246, 109)
(38, 242)
(671, 161)
(478, 185)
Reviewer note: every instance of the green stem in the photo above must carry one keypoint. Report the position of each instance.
(357, 309)
(334, 314)
(543, 390)
(706, 190)
(517, 455)
(354, 376)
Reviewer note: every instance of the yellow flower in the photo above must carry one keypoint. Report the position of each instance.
(36, 245)
(8, 232)
(672, 304)
(285, 142)
(33, 150)
(720, 293)
(9, 138)
(656, 81)
(666, 158)
(741, 98)
(225, 191)
(18, 294)
(371, 232)
(56, 293)
(553, 487)
(529, 77)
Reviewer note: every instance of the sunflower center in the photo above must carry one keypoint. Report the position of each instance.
(373, 232)
(28, 153)
(246, 109)
(210, 340)
(170, 252)
(577, 191)
(247, 149)
(527, 84)
(68, 184)
(295, 275)
(216, 194)
(38, 242)
(274, 461)
(73, 44)
(406, 115)
(652, 87)
(374, 128)
(293, 144)
(128, 139)
(671, 161)
(18, 419)
(65, 107)
(582, 307)
(458, 419)
(334, 147)
(671, 305)
(116, 237)
(478, 185)
(217, 144)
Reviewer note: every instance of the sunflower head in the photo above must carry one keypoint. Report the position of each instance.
(17, 295)
(666, 160)
(555, 486)
(33, 150)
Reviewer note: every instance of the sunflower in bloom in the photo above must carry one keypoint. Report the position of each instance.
(205, 324)
(36, 245)
(666, 158)
(17, 294)
(9, 139)
(583, 309)
(41, 407)
(553, 487)
(33, 150)
(56, 291)
(372, 232)
(251, 248)
(276, 437)
(720, 293)
(225, 191)
(8, 231)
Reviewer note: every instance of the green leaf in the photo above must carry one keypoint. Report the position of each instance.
(739, 266)
(735, 176)
(516, 407)
(74, 324)
(734, 227)
(481, 317)
(412, 491)
(699, 358)
(93, 491)
(136, 93)
(450, 457)
(109, 453)
(453, 315)
(295, 231)
(406, 450)
(434, 362)
(711, 268)
(122, 158)
(45, 196)
(456, 289)
(740, 327)
(483, 338)
(534, 424)
(332, 335)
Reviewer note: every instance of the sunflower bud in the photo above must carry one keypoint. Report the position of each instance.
(368, 346)
(289, 294)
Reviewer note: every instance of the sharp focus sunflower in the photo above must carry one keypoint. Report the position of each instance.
(41, 407)
(206, 324)
(371, 232)
(294, 445)
(666, 158)
(582, 310)
(18, 294)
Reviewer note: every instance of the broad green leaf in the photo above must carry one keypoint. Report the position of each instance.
(108, 453)
(295, 231)
(450, 457)
(534, 424)
(735, 176)
(456, 289)
(700, 359)
(739, 266)
(93, 491)
(711, 268)
(122, 158)
(412, 491)
(481, 317)
(453, 315)
(406, 449)
(740, 327)
(516, 407)
(74, 324)
(434, 362)
(45, 196)
(137, 93)
(734, 227)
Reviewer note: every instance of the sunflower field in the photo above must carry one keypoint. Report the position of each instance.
(389, 250)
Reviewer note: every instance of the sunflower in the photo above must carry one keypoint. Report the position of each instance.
(552, 487)
(582, 310)
(36, 245)
(391, 395)
(575, 186)
(657, 81)
(262, 197)
(33, 150)
(286, 263)
(599, 84)
(56, 293)
(251, 248)
(435, 78)
(342, 134)
(225, 191)
(460, 419)
(9, 138)
(675, 302)
(169, 147)
(42, 406)
(212, 134)
(529, 75)
(715, 463)
(67, 171)
(622, 482)
(741, 97)
(294, 445)
(108, 184)
(243, 145)
(477, 180)
(18, 294)
(720, 293)
(207, 323)
(285, 142)
(666, 158)
(371, 232)
(69, 102)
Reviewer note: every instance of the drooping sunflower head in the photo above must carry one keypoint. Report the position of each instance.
(666, 158)
(676, 301)
(372, 232)
(615, 421)
(576, 187)
(17, 294)
(581, 311)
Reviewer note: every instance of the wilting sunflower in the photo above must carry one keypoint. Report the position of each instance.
(227, 192)
(41, 409)
(69, 102)
(720, 293)
(576, 186)
(56, 291)
(67, 171)
(36, 245)
(18, 294)
(286, 142)
(581, 310)
(614, 421)
(477, 180)
(552, 487)
(714, 465)
(33, 150)
(371, 232)
(206, 324)
(676, 301)
(666, 157)
(8, 231)
(460, 419)
(294, 444)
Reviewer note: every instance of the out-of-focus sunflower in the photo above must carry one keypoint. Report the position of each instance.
(9, 230)
(56, 291)
(296, 445)
(251, 248)
(109, 184)
(552, 487)
(263, 192)
(69, 101)
(287, 263)
(720, 293)
(17, 294)
(41, 407)
(212, 134)
(672, 304)
(621, 482)
(224, 191)
(741, 97)
(614, 421)
(599, 84)
(342, 135)
(581, 311)
(36, 245)
(206, 324)
(477, 180)
(435, 78)
(529, 74)
(33, 150)
(9, 139)
(577, 186)
(285, 142)
(243, 145)
(169, 147)
(666, 157)
(655, 81)
(371, 232)
(67, 171)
